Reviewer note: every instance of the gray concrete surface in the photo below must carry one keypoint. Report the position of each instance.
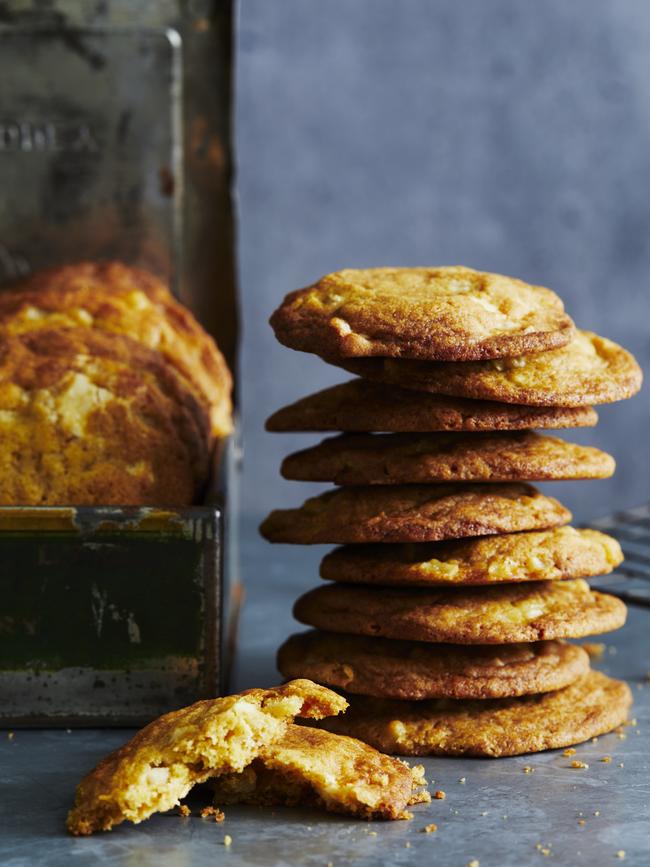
(505, 135)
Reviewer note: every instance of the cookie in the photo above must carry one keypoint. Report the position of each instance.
(396, 459)
(360, 405)
(158, 767)
(414, 670)
(448, 313)
(113, 297)
(92, 418)
(563, 552)
(593, 705)
(414, 513)
(309, 767)
(503, 614)
(588, 370)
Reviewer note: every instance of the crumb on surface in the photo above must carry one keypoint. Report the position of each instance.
(212, 812)
(10, 736)
(621, 765)
(529, 770)
(595, 649)
(431, 828)
(582, 822)
(596, 812)
(227, 840)
(184, 810)
(606, 759)
(621, 854)
(570, 751)
(473, 863)
(463, 780)
(576, 763)
(439, 795)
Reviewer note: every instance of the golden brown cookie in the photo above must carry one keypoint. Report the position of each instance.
(360, 405)
(414, 513)
(590, 369)
(593, 705)
(563, 552)
(92, 418)
(397, 459)
(158, 767)
(504, 614)
(447, 313)
(113, 297)
(413, 670)
(312, 767)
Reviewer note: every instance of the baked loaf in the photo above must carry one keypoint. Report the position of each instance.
(110, 391)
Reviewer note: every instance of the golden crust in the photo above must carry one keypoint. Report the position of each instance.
(157, 767)
(446, 313)
(563, 552)
(414, 670)
(414, 513)
(504, 614)
(396, 459)
(90, 418)
(312, 767)
(113, 297)
(590, 369)
(360, 405)
(593, 705)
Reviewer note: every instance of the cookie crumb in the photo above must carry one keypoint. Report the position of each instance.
(227, 840)
(570, 751)
(597, 813)
(606, 759)
(463, 780)
(621, 854)
(582, 822)
(578, 764)
(594, 649)
(528, 770)
(10, 736)
(212, 812)
(621, 765)
(474, 863)
(407, 845)
(430, 829)
(184, 810)
(439, 795)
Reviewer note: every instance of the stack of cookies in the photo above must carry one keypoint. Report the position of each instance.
(449, 606)
(111, 393)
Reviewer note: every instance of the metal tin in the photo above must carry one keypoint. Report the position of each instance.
(115, 144)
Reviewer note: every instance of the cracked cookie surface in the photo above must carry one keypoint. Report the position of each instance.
(445, 313)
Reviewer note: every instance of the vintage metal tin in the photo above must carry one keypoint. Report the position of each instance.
(115, 144)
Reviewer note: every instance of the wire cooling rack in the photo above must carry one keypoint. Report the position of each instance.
(631, 581)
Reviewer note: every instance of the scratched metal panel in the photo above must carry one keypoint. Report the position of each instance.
(90, 140)
(113, 613)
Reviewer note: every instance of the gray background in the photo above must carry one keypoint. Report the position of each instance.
(505, 135)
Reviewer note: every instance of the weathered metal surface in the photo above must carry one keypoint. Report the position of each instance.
(115, 143)
(113, 618)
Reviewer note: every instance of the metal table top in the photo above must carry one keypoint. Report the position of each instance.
(499, 816)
